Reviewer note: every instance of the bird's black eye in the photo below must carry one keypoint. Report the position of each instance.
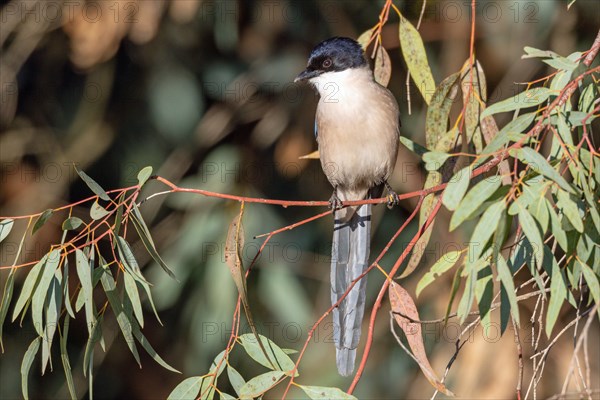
(327, 63)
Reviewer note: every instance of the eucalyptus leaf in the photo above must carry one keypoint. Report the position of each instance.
(143, 175)
(188, 389)
(456, 188)
(42, 219)
(539, 164)
(281, 360)
(474, 199)
(26, 364)
(41, 291)
(28, 286)
(415, 57)
(325, 393)
(93, 185)
(526, 99)
(71, 223)
(5, 228)
(442, 265)
(258, 385)
(97, 211)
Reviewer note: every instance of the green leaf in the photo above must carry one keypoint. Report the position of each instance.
(144, 233)
(539, 210)
(45, 216)
(587, 98)
(131, 265)
(364, 38)
(189, 388)
(557, 230)
(415, 57)
(455, 285)
(321, 392)
(5, 228)
(436, 122)
(412, 146)
(558, 294)
(485, 228)
(6, 298)
(53, 309)
(84, 272)
(97, 211)
(560, 80)
(108, 283)
(97, 189)
(260, 384)
(483, 295)
(592, 281)
(65, 284)
(442, 265)
(128, 259)
(537, 53)
(282, 361)
(26, 364)
(207, 390)
(539, 164)
(464, 306)
(474, 199)
(531, 230)
(526, 99)
(71, 223)
(148, 347)
(41, 292)
(64, 355)
(119, 217)
(456, 188)
(143, 175)
(434, 160)
(561, 63)
(134, 296)
(95, 335)
(28, 286)
(502, 230)
(511, 132)
(570, 210)
(235, 379)
(225, 396)
(504, 310)
(506, 278)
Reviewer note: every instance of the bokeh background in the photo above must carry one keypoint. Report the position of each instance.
(202, 91)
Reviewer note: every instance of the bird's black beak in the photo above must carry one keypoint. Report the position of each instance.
(306, 74)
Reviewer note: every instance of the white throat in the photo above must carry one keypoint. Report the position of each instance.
(331, 84)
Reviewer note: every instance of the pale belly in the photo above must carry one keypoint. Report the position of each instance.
(356, 152)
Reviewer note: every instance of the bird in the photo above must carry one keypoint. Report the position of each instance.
(357, 128)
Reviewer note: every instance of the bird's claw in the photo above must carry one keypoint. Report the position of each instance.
(334, 202)
(392, 200)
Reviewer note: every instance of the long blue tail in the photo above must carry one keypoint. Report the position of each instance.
(349, 259)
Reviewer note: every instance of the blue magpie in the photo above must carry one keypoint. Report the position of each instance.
(357, 128)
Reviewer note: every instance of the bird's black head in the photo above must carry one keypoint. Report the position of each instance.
(332, 55)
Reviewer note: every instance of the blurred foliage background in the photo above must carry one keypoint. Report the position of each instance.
(203, 92)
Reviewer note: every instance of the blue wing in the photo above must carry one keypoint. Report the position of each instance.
(316, 130)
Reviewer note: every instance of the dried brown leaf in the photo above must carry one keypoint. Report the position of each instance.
(383, 67)
(403, 306)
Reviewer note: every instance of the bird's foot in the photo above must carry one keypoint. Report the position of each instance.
(334, 202)
(392, 198)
